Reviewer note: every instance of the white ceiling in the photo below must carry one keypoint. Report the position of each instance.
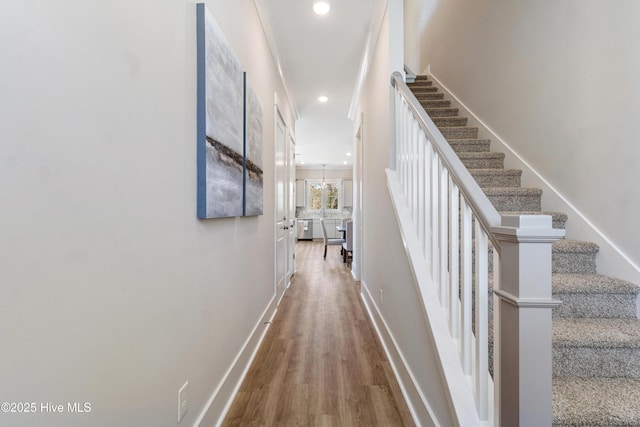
(321, 55)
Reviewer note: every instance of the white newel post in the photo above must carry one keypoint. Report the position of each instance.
(523, 331)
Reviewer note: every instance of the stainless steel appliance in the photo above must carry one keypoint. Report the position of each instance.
(305, 229)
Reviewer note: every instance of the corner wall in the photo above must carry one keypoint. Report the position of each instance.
(114, 293)
(557, 81)
(398, 315)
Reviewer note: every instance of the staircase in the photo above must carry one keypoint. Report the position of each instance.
(596, 332)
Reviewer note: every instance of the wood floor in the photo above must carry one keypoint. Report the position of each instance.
(320, 363)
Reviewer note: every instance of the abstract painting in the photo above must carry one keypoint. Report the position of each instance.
(253, 152)
(220, 122)
(230, 132)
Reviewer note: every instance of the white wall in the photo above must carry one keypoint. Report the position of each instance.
(113, 292)
(558, 82)
(385, 266)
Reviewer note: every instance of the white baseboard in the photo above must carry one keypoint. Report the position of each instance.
(220, 401)
(418, 405)
(611, 260)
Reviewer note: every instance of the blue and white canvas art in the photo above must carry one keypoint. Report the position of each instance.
(253, 153)
(220, 122)
(230, 132)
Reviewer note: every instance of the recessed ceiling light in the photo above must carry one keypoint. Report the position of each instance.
(345, 162)
(323, 99)
(321, 7)
(348, 154)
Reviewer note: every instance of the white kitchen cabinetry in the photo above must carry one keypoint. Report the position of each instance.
(300, 193)
(348, 192)
(330, 225)
(331, 228)
(317, 231)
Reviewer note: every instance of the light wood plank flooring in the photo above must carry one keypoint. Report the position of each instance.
(320, 363)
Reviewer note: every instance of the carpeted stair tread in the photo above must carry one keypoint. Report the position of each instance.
(594, 348)
(511, 199)
(482, 160)
(575, 246)
(574, 256)
(424, 89)
(424, 96)
(508, 191)
(596, 333)
(594, 296)
(459, 132)
(435, 103)
(596, 402)
(421, 80)
(442, 112)
(497, 177)
(443, 122)
(470, 145)
(592, 283)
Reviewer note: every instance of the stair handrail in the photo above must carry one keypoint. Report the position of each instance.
(478, 201)
(449, 227)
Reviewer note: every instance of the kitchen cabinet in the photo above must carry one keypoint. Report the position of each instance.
(348, 192)
(300, 193)
(330, 225)
(317, 231)
(331, 228)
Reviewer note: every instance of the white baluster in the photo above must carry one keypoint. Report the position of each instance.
(466, 283)
(454, 254)
(412, 157)
(414, 178)
(401, 142)
(481, 322)
(444, 236)
(435, 261)
(428, 233)
(407, 157)
(421, 188)
(398, 110)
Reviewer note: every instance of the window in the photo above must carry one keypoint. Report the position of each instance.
(324, 198)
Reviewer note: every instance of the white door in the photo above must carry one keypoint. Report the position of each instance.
(281, 205)
(291, 232)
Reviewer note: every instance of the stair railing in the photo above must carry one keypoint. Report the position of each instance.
(449, 228)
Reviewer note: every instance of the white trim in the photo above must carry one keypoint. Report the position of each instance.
(318, 166)
(222, 397)
(419, 407)
(611, 259)
(278, 117)
(526, 302)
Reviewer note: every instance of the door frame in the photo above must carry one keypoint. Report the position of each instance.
(280, 224)
(291, 207)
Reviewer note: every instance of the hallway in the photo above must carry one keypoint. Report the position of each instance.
(320, 363)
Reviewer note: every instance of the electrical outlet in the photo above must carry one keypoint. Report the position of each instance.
(183, 400)
(381, 298)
